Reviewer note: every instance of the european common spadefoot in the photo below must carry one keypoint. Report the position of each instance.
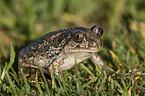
(61, 48)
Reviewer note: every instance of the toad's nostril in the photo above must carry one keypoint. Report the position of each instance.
(93, 44)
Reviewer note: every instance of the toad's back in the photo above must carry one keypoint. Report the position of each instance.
(48, 47)
(60, 48)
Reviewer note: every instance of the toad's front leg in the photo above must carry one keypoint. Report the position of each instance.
(63, 63)
(54, 69)
(97, 60)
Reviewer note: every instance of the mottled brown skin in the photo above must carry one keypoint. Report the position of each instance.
(60, 48)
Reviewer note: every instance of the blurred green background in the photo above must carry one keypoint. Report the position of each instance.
(123, 21)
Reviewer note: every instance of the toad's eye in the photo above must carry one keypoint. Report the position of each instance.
(97, 29)
(78, 37)
(100, 31)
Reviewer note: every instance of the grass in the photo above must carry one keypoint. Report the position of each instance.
(123, 21)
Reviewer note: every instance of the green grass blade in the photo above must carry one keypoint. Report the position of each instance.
(101, 84)
(89, 82)
(112, 87)
(12, 57)
(0, 70)
(38, 86)
(46, 84)
(80, 88)
(11, 84)
(119, 86)
(76, 70)
(27, 86)
(86, 68)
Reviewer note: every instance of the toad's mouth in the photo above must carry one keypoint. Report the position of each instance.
(88, 50)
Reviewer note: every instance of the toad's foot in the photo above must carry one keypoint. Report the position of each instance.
(97, 60)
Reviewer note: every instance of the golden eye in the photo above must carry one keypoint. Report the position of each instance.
(78, 37)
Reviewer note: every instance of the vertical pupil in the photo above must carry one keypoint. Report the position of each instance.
(77, 36)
